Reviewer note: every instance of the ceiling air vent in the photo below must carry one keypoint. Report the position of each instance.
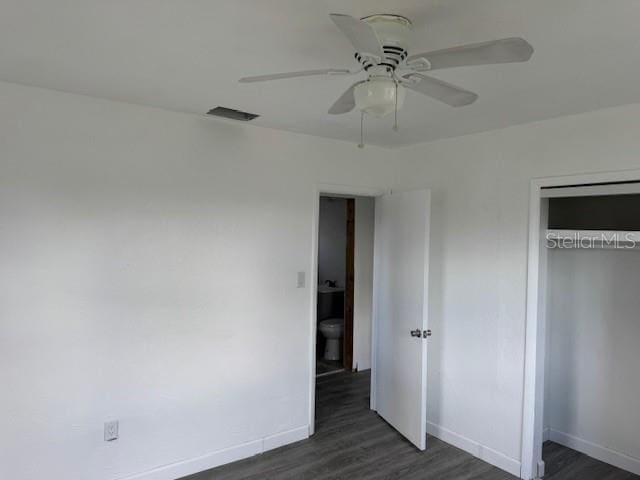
(232, 114)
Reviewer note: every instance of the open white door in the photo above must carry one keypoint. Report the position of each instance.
(401, 273)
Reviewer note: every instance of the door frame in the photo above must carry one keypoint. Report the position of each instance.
(535, 329)
(322, 189)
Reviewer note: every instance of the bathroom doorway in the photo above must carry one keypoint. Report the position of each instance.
(345, 284)
(388, 369)
(334, 339)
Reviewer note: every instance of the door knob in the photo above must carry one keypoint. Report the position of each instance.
(416, 333)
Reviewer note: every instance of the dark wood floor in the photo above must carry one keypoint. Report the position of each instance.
(562, 463)
(352, 442)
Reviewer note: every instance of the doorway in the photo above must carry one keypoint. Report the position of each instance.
(343, 301)
(394, 308)
(574, 248)
(335, 280)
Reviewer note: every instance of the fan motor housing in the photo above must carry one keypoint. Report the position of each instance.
(394, 33)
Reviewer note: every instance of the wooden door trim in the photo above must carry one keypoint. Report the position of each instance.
(347, 357)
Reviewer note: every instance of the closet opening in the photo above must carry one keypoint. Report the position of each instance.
(583, 331)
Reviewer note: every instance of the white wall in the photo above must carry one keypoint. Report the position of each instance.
(593, 321)
(480, 186)
(332, 241)
(147, 273)
(363, 290)
(139, 247)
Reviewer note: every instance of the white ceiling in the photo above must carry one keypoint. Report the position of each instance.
(186, 55)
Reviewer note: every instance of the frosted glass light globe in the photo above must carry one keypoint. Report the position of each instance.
(377, 96)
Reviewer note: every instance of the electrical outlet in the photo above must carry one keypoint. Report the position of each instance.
(111, 431)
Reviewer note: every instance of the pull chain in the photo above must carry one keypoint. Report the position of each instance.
(395, 120)
(361, 144)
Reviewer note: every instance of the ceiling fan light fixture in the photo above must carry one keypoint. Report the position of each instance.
(382, 48)
(377, 96)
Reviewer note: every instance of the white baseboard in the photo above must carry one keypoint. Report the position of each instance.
(546, 434)
(489, 455)
(222, 457)
(604, 454)
(285, 438)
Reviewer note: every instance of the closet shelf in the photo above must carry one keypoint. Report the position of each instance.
(592, 239)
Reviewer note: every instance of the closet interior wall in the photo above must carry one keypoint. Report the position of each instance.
(592, 378)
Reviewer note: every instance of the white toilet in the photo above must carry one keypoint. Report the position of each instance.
(332, 329)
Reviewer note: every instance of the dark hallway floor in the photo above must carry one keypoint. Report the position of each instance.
(352, 442)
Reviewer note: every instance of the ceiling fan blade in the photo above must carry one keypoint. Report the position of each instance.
(304, 73)
(442, 91)
(506, 50)
(360, 34)
(346, 102)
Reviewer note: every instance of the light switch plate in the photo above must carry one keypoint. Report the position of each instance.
(301, 279)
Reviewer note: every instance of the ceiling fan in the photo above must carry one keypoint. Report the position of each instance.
(381, 45)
